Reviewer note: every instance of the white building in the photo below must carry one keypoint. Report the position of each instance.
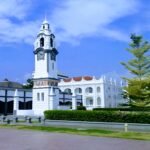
(7, 95)
(95, 92)
(48, 90)
(45, 89)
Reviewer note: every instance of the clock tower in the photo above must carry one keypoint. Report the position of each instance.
(45, 90)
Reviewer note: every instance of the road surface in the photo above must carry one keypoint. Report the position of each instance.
(13, 139)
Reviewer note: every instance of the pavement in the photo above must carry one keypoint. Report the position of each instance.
(13, 139)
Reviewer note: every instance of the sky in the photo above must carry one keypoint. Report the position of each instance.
(91, 35)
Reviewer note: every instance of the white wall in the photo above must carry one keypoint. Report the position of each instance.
(40, 106)
(24, 113)
(63, 107)
(110, 91)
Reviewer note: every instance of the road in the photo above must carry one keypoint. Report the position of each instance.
(13, 139)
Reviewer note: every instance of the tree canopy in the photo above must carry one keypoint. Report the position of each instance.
(29, 84)
(138, 89)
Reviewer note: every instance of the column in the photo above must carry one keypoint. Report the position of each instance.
(53, 99)
(16, 102)
(56, 98)
(74, 103)
(94, 96)
(83, 97)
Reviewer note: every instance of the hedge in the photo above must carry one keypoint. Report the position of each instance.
(124, 109)
(98, 116)
(81, 108)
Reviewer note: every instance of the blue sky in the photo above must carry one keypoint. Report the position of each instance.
(91, 35)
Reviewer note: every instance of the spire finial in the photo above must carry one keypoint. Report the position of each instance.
(45, 19)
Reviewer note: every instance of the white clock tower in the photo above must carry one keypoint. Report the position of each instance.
(45, 90)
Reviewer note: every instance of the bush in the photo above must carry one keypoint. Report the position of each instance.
(81, 108)
(124, 109)
(98, 116)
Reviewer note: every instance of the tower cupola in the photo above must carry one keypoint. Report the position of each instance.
(45, 38)
(45, 28)
(45, 53)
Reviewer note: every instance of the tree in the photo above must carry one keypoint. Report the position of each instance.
(138, 87)
(29, 84)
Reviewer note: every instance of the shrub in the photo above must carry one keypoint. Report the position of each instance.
(81, 108)
(123, 109)
(98, 116)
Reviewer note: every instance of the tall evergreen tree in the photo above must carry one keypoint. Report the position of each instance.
(139, 66)
(138, 86)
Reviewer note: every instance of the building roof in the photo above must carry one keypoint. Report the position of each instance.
(87, 78)
(10, 84)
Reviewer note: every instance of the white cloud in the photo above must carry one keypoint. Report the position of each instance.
(71, 19)
(14, 8)
(115, 34)
(14, 27)
(75, 19)
(14, 33)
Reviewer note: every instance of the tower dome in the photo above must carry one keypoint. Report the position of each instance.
(45, 28)
(45, 21)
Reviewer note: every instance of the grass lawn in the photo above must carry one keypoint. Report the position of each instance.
(86, 132)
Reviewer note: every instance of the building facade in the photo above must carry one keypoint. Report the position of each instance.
(95, 92)
(7, 96)
(49, 89)
(52, 90)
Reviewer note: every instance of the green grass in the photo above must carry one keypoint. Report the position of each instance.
(23, 121)
(85, 132)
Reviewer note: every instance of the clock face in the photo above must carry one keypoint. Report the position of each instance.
(40, 55)
(53, 56)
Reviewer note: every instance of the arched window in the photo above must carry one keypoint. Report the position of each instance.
(51, 42)
(114, 97)
(89, 90)
(109, 96)
(78, 90)
(109, 88)
(42, 42)
(98, 90)
(89, 101)
(68, 91)
(43, 26)
(98, 101)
